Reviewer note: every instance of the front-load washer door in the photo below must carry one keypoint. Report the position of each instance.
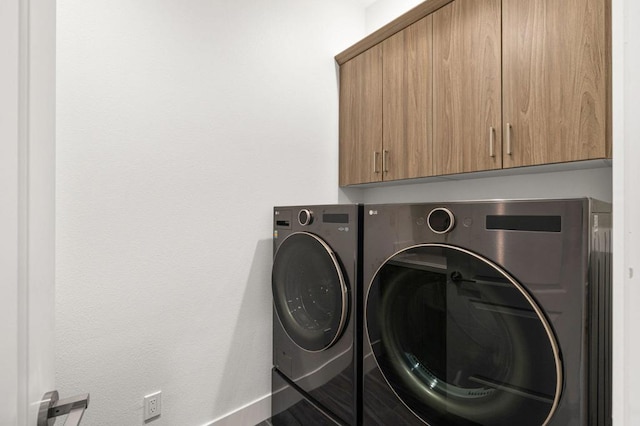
(309, 291)
(460, 341)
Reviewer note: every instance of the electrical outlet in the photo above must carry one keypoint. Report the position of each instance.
(152, 405)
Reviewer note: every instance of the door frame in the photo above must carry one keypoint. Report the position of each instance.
(27, 207)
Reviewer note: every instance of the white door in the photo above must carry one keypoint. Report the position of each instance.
(27, 160)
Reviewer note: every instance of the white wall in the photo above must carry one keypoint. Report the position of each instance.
(594, 183)
(180, 125)
(382, 12)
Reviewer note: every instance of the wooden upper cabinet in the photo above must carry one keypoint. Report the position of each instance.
(361, 118)
(467, 87)
(556, 81)
(470, 85)
(407, 102)
(385, 109)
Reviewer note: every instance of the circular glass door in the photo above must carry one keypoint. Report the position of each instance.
(309, 291)
(460, 342)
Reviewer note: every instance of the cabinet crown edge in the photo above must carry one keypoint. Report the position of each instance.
(398, 24)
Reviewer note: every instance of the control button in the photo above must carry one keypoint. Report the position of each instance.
(305, 217)
(441, 220)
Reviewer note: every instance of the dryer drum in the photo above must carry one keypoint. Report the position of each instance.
(460, 342)
(309, 291)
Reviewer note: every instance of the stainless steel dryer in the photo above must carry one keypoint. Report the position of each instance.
(487, 313)
(315, 283)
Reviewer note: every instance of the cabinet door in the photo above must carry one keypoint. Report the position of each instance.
(555, 69)
(467, 87)
(407, 99)
(361, 118)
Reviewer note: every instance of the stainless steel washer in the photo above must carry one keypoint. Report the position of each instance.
(316, 284)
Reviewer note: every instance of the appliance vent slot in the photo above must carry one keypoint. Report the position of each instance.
(525, 223)
(335, 218)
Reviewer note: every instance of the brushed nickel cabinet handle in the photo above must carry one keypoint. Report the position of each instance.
(492, 141)
(385, 161)
(375, 162)
(509, 138)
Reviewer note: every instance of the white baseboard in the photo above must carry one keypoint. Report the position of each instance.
(248, 415)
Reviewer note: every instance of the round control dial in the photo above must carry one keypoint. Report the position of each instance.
(441, 220)
(305, 217)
